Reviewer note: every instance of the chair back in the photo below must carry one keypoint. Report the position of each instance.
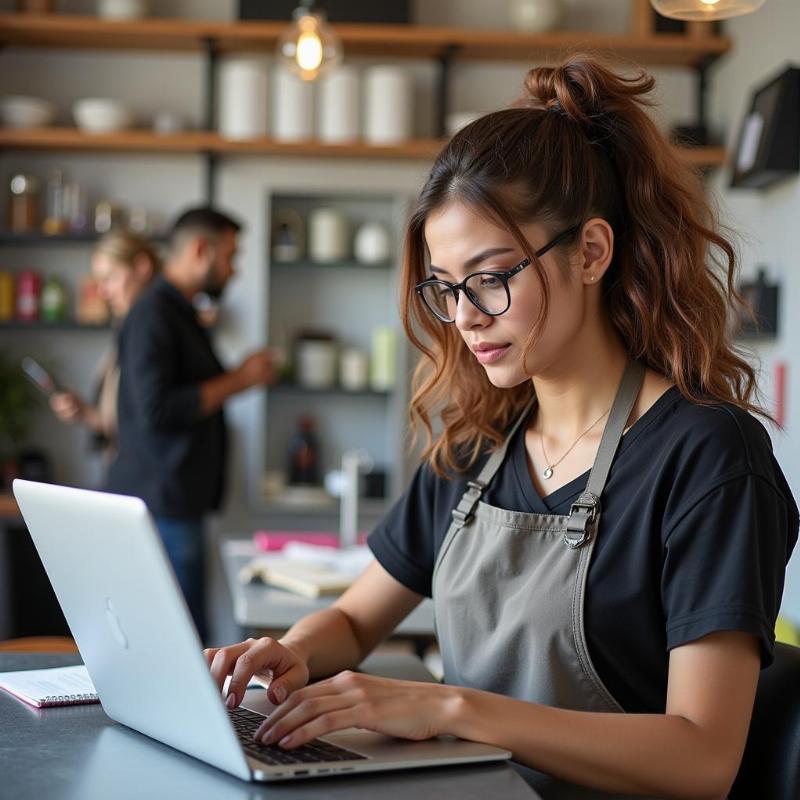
(771, 762)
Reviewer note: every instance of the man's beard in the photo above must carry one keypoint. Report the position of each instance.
(213, 286)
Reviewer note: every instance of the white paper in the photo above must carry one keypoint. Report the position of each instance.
(751, 138)
(38, 686)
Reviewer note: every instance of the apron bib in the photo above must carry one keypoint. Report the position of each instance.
(508, 592)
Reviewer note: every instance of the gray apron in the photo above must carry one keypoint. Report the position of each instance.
(508, 591)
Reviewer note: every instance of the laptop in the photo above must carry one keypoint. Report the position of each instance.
(126, 612)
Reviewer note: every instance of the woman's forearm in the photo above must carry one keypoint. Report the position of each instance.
(649, 754)
(326, 641)
(90, 416)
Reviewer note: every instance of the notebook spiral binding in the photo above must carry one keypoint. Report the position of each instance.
(69, 699)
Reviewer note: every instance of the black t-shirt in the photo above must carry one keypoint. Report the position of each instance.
(169, 453)
(697, 526)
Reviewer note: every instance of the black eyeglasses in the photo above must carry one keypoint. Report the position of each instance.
(487, 291)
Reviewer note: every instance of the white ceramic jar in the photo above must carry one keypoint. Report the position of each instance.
(293, 106)
(337, 120)
(316, 363)
(371, 243)
(389, 113)
(353, 369)
(121, 9)
(242, 111)
(328, 235)
(536, 16)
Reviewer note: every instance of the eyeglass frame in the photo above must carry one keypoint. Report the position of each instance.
(504, 277)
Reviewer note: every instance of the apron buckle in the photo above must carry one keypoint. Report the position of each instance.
(582, 515)
(464, 511)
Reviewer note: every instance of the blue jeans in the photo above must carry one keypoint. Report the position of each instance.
(184, 542)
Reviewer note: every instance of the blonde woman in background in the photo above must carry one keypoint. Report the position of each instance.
(123, 265)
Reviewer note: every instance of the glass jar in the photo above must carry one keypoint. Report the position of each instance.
(108, 216)
(76, 203)
(54, 300)
(23, 204)
(55, 205)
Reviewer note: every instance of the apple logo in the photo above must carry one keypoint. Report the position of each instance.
(113, 623)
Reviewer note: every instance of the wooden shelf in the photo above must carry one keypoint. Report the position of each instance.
(388, 41)
(12, 239)
(350, 264)
(66, 325)
(142, 141)
(331, 390)
(704, 156)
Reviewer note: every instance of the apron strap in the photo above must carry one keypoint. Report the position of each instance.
(586, 509)
(475, 488)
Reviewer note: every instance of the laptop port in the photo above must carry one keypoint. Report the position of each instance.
(301, 772)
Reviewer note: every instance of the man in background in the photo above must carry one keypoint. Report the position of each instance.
(172, 438)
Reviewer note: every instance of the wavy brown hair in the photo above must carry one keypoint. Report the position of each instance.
(579, 144)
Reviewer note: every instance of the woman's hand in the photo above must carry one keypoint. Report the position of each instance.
(283, 670)
(67, 406)
(407, 709)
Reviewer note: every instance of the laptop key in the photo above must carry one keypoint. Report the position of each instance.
(246, 722)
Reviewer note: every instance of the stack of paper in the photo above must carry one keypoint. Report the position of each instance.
(309, 570)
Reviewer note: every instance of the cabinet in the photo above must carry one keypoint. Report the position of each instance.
(355, 304)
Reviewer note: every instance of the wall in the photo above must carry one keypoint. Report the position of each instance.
(763, 44)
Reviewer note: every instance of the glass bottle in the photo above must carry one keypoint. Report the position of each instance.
(55, 205)
(304, 454)
(23, 204)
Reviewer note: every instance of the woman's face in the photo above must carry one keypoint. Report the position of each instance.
(120, 284)
(455, 235)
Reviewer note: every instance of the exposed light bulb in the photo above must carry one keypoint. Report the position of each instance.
(705, 10)
(309, 46)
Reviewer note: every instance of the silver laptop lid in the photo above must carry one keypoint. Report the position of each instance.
(127, 614)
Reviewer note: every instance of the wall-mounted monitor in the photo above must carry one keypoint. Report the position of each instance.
(768, 147)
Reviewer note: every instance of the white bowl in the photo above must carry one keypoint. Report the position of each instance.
(101, 115)
(18, 111)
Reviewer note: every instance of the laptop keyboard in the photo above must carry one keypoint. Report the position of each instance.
(246, 722)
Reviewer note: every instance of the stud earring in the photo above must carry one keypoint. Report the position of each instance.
(592, 278)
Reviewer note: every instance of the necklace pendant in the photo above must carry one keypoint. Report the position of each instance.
(548, 473)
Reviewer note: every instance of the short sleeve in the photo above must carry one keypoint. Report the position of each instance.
(403, 542)
(724, 563)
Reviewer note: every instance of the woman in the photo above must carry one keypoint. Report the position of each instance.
(600, 522)
(122, 264)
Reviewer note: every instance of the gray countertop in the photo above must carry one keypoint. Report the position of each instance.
(78, 752)
(258, 606)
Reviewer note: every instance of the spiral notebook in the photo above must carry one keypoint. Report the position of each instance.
(59, 686)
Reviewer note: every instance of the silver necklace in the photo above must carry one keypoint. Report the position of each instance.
(548, 471)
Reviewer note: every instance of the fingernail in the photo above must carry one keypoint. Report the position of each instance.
(231, 700)
(280, 694)
(259, 734)
(286, 741)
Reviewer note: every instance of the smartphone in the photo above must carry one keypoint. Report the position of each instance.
(39, 376)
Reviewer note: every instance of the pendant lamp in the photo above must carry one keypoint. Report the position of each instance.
(705, 10)
(309, 46)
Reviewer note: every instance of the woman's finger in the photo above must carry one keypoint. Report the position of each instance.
(223, 660)
(319, 726)
(330, 687)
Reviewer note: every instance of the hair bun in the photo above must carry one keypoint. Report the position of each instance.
(583, 88)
